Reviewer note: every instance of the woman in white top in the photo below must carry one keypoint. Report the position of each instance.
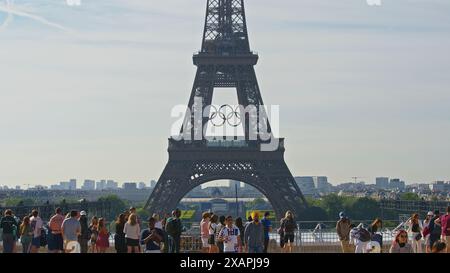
(132, 232)
(415, 231)
(158, 222)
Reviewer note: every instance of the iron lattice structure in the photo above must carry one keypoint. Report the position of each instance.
(225, 60)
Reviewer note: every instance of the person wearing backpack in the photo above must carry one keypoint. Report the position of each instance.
(9, 226)
(360, 237)
(174, 229)
(434, 229)
(288, 227)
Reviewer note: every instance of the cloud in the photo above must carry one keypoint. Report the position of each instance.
(11, 10)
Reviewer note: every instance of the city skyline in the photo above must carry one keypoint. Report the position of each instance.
(94, 97)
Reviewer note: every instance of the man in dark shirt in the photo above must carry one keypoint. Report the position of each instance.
(152, 237)
(435, 230)
(174, 229)
(10, 228)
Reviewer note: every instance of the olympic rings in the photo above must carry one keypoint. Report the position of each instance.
(232, 117)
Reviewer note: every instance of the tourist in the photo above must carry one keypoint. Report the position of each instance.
(360, 238)
(445, 226)
(132, 232)
(267, 224)
(166, 237)
(103, 236)
(158, 222)
(400, 243)
(152, 237)
(119, 237)
(289, 226)
(37, 226)
(219, 228)
(439, 247)
(249, 220)
(240, 225)
(415, 231)
(93, 230)
(174, 229)
(375, 232)
(426, 231)
(84, 236)
(70, 229)
(254, 235)
(133, 211)
(204, 231)
(26, 234)
(229, 235)
(435, 229)
(55, 239)
(9, 226)
(343, 231)
(212, 231)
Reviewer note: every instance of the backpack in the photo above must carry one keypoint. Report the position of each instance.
(289, 226)
(363, 235)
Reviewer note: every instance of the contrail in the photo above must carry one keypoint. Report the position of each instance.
(8, 9)
(9, 17)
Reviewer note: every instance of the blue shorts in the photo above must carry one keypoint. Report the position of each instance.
(55, 242)
(36, 242)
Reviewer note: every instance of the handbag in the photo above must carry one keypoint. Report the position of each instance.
(418, 236)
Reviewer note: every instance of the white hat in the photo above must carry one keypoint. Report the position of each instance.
(82, 212)
(430, 213)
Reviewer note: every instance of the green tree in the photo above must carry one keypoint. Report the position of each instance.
(257, 203)
(409, 196)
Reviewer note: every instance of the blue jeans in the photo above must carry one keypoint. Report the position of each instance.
(8, 242)
(174, 244)
(256, 249)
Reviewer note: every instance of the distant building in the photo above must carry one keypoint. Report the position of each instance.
(233, 183)
(88, 185)
(306, 184)
(17, 187)
(64, 185)
(100, 185)
(72, 184)
(440, 186)
(112, 185)
(382, 182)
(129, 186)
(141, 185)
(55, 187)
(397, 184)
(321, 183)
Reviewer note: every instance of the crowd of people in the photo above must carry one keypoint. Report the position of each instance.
(225, 235)
(432, 235)
(74, 232)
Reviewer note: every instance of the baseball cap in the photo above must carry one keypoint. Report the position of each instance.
(82, 212)
(430, 213)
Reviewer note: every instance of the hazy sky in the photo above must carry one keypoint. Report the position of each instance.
(86, 91)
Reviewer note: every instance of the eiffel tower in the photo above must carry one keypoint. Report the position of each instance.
(226, 61)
